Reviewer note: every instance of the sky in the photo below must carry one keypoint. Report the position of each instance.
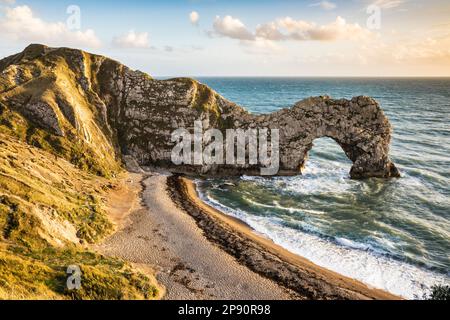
(375, 38)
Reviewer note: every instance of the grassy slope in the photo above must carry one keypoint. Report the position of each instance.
(52, 180)
(55, 79)
(52, 185)
(49, 208)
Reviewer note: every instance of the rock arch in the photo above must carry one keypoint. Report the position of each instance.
(358, 126)
(156, 108)
(323, 150)
(129, 113)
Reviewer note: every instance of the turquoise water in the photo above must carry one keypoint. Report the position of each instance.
(390, 234)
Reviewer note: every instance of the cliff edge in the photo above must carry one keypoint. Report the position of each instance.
(79, 103)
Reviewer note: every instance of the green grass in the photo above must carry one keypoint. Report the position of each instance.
(30, 274)
(68, 147)
(34, 185)
(54, 171)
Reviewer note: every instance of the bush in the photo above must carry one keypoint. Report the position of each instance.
(440, 292)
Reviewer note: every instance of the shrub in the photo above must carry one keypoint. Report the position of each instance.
(439, 292)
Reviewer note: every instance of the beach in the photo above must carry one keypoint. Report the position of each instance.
(197, 252)
(155, 234)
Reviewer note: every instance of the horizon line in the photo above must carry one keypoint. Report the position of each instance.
(290, 76)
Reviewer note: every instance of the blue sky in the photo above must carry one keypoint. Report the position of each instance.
(244, 38)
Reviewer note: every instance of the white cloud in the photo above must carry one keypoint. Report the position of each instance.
(326, 5)
(261, 46)
(270, 31)
(389, 4)
(410, 51)
(7, 2)
(289, 29)
(132, 39)
(382, 56)
(194, 17)
(232, 28)
(265, 37)
(300, 30)
(20, 24)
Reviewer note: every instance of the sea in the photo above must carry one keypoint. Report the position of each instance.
(390, 234)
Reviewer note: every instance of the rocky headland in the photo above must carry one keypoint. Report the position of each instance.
(69, 120)
(110, 110)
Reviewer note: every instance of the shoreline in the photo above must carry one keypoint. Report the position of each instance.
(263, 256)
(157, 236)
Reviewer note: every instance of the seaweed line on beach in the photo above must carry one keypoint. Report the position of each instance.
(305, 282)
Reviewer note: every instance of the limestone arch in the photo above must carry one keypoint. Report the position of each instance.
(330, 146)
(358, 126)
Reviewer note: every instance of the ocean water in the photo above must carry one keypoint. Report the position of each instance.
(390, 234)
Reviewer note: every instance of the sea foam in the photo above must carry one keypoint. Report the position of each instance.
(344, 256)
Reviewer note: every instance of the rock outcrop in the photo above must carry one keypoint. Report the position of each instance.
(111, 110)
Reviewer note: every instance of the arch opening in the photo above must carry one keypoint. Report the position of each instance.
(326, 156)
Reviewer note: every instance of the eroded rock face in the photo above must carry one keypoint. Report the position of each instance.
(136, 114)
(359, 126)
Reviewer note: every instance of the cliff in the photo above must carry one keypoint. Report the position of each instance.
(57, 165)
(50, 211)
(68, 119)
(79, 103)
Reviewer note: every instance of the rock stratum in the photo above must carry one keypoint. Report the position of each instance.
(72, 102)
